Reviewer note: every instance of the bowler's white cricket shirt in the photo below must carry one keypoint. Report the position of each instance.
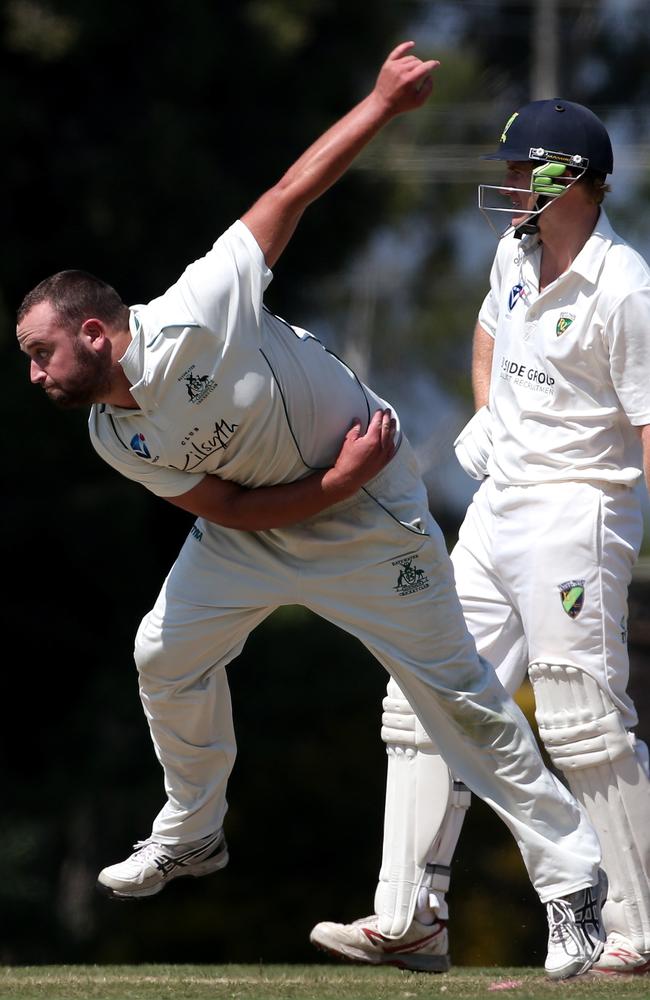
(571, 368)
(225, 387)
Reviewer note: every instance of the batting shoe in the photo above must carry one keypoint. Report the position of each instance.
(620, 957)
(576, 935)
(152, 865)
(423, 948)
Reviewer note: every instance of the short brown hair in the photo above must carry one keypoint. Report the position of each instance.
(75, 297)
(596, 185)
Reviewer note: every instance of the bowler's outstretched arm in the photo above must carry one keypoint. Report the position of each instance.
(404, 84)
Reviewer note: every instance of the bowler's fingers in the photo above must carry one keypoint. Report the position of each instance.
(378, 424)
(411, 74)
(387, 430)
(381, 429)
(400, 50)
(411, 62)
(420, 79)
(355, 431)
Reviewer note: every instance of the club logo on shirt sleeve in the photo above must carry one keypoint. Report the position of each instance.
(564, 322)
(139, 446)
(572, 595)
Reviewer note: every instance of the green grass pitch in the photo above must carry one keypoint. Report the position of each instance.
(301, 982)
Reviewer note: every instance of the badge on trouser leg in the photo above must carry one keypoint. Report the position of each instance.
(604, 767)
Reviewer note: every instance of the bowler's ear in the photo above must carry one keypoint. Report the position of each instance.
(95, 331)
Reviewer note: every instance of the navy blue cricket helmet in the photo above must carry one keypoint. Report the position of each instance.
(556, 131)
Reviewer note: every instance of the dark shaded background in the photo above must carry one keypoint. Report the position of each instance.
(133, 134)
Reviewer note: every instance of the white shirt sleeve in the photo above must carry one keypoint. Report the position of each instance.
(231, 277)
(159, 479)
(627, 330)
(221, 292)
(489, 311)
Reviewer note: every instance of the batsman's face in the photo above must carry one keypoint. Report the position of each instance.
(71, 367)
(516, 187)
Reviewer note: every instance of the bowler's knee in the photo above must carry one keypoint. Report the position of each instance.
(149, 652)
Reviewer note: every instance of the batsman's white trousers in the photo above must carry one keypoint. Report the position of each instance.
(517, 549)
(377, 566)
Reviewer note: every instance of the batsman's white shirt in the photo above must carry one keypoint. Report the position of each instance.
(571, 367)
(559, 509)
(224, 386)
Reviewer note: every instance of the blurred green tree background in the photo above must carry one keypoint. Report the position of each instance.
(133, 134)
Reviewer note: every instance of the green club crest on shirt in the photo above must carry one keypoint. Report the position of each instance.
(563, 324)
(572, 595)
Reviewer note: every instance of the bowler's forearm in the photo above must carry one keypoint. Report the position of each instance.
(265, 507)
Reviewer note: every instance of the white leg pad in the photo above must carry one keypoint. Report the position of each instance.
(606, 769)
(424, 813)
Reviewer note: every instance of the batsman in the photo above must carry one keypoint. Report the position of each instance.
(544, 558)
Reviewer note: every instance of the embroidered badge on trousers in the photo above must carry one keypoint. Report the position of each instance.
(572, 595)
(410, 578)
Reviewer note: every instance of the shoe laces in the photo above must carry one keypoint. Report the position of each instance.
(146, 849)
(561, 921)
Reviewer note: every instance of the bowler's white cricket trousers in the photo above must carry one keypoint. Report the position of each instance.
(377, 566)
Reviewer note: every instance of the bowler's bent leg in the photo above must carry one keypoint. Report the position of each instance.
(419, 634)
(209, 604)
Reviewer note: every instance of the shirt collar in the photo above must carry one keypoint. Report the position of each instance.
(590, 260)
(133, 366)
(132, 361)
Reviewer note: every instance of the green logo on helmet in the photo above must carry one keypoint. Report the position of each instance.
(507, 126)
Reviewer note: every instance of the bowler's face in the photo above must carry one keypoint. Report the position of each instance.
(64, 364)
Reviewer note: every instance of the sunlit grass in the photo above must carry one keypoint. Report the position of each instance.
(299, 982)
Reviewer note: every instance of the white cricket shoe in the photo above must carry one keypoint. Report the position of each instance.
(620, 956)
(423, 948)
(576, 935)
(152, 865)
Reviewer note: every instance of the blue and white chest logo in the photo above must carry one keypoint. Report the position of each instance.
(139, 446)
(515, 293)
(198, 386)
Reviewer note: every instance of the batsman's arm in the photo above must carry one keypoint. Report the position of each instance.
(403, 84)
(482, 354)
(361, 457)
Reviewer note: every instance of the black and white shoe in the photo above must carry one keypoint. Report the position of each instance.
(576, 934)
(152, 865)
